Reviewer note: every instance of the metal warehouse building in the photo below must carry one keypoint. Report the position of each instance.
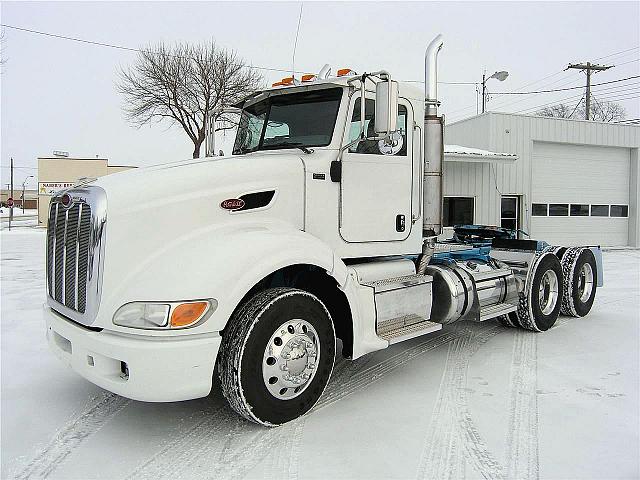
(574, 182)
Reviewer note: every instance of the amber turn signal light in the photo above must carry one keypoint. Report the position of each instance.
(187, 313)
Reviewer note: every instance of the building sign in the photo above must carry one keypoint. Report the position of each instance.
(50, 188)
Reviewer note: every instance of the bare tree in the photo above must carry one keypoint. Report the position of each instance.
(598, 111)
(183, 83)
(559, 111)
(607, 111)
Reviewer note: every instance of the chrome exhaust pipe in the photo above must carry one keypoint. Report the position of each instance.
(431, 75)
(433, 143)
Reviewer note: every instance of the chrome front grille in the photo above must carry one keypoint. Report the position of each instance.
(75, 241)
(68, 254)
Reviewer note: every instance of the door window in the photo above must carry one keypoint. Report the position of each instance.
(373, 147)
(510, 212)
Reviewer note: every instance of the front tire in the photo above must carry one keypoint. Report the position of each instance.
(277, 355)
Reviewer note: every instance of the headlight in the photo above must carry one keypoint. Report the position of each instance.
(158, 316)
(142, 315)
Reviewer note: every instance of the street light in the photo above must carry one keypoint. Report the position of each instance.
(501, 76)
(23, 184)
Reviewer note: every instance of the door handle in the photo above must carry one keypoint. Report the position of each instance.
(335, 171)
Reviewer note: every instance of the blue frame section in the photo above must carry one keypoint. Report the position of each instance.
(478, 238)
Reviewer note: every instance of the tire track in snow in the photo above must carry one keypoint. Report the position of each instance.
(221, 445)
(197, 452)
(362, 378)
(452, 439)
(283, 462)
(522, 457)
(101, 409)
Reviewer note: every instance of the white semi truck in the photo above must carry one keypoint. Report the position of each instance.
(323, 224)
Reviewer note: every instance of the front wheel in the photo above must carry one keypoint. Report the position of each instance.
(277, 355)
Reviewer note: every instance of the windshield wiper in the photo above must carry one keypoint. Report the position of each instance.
(298, 145)
(243, 150)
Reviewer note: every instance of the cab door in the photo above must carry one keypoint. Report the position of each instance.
(375, 188)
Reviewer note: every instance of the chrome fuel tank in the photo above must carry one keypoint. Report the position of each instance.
(471, 289)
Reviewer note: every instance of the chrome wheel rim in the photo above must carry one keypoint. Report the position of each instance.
(548, 293)
(585, 282)
(291, 359)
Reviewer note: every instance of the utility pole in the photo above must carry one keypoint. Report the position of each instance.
(23, 184)
(501, 76)
(484, 91)
(587, 68)
(11, 207)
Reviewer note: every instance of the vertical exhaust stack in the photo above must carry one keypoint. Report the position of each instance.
(433, 143)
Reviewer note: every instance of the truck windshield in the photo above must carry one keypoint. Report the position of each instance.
(293, 120)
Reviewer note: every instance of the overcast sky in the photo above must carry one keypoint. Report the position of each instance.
(60, 95)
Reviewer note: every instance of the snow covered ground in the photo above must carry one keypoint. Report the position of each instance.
(470, 401)
(17, 212)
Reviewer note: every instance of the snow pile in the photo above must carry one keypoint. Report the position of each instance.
(476, 152)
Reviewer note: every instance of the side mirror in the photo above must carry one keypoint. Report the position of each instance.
(386, 107)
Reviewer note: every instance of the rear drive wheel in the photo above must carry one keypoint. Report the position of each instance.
(506, 321)
(580, 282)
(539, 303)
(277, 355)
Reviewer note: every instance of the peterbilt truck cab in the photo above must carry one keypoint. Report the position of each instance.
(321, 225)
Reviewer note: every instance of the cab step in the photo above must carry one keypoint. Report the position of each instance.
(497, 310)
(387, 284)
(404, 328)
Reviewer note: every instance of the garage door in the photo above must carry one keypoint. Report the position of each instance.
(580, 194)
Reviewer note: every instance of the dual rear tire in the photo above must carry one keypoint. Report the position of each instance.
(555, 286)
(539, 304)
(580, 272)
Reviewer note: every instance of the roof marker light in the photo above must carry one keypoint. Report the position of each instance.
(287, 81)
(345, 71)
(309, 77)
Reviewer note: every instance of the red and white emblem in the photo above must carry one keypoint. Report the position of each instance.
(232, 204)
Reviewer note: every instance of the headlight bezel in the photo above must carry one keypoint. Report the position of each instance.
(138, 323)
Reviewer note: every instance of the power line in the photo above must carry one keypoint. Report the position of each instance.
(64, 37)
(617, 53)
(444, 83)
(563, 89)
(588, 68)
(272, 69)
(571, 76)
(111, 45)
(576, 107)
(630, 61)
(611, 96)
(568, 98)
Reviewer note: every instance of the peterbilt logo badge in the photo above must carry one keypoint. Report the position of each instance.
(232, 204)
